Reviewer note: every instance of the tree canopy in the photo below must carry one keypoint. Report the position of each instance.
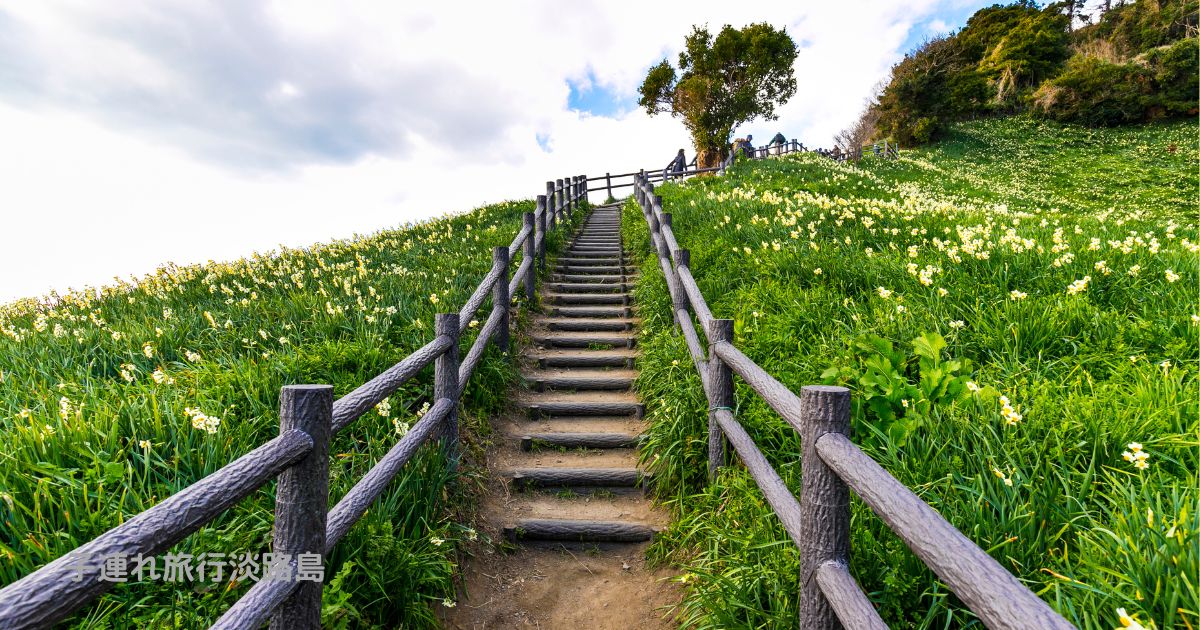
(722, 82)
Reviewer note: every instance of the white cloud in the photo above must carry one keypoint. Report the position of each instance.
(145, 131)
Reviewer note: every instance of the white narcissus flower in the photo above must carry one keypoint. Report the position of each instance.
(1128, 622)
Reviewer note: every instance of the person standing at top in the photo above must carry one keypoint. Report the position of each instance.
(677, 165)
(748, 147)
(778, 141)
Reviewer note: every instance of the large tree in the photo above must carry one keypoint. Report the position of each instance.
(723, 82)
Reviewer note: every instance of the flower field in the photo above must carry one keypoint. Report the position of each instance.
(113, 400)
(1017, 313)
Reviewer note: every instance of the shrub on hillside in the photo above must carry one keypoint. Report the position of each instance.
(1095, 92)
(1010, 58)
(1176, 76)
(1033, 49)
(991, 65)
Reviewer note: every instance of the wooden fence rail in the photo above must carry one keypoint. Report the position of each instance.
(831, 467)
(298, 457)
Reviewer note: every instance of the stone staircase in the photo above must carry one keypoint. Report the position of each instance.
(572, 457)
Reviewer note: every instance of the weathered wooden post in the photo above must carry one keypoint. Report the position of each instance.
(654, 225)
(528, 252)
(550, 206)
(824, 501)
(445, 377)
(500, 297)
(720, 380)
(559, 201)
(656, 212)
(301, 501)
(608, 185)
(542, 211)
(568, 202)
(682, 258)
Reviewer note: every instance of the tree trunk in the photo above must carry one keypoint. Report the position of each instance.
(708, 158)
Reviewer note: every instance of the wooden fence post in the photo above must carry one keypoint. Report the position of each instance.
(550, 209)
(568, 202)
(655, 227)
(608, 184)
(543, 210)
(445, 376)
(720, 380)
(560, 197)
(500, 297)
(683, 258)
(301, 502)
(824, 501)
(529, 254)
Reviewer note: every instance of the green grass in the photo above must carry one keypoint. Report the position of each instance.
(831, 272)
(95, 392)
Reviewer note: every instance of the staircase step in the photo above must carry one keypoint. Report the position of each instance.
(586, 298)
(566, 530)
(583, 270)
(574, 252)
(589, 278)
(586, 341)
(591, 359)
(607, 261)
(579, 440)
(588, 324)
(580, 383)
(586, 287)
(544, 408)
(576, 477)
(591, 311)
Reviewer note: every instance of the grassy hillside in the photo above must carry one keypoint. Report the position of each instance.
(110, 403)
(1052, 268)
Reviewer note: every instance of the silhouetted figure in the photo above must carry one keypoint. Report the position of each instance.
(676, 167)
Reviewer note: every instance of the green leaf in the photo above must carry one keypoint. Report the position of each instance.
(929, 346)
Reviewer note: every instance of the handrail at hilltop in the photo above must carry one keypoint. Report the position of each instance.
(831, 466)
(298, 457)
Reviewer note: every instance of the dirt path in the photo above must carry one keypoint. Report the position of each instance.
(564, 487)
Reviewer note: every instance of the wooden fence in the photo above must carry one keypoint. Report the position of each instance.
(883, 149)
(831, 466)
(299, 457)
(886, 150)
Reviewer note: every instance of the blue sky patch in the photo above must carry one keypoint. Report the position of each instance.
(598, 100)
(954, 18)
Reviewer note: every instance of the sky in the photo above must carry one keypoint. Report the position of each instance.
(133, 133)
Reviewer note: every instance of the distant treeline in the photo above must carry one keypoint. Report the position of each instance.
(1129, 63)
